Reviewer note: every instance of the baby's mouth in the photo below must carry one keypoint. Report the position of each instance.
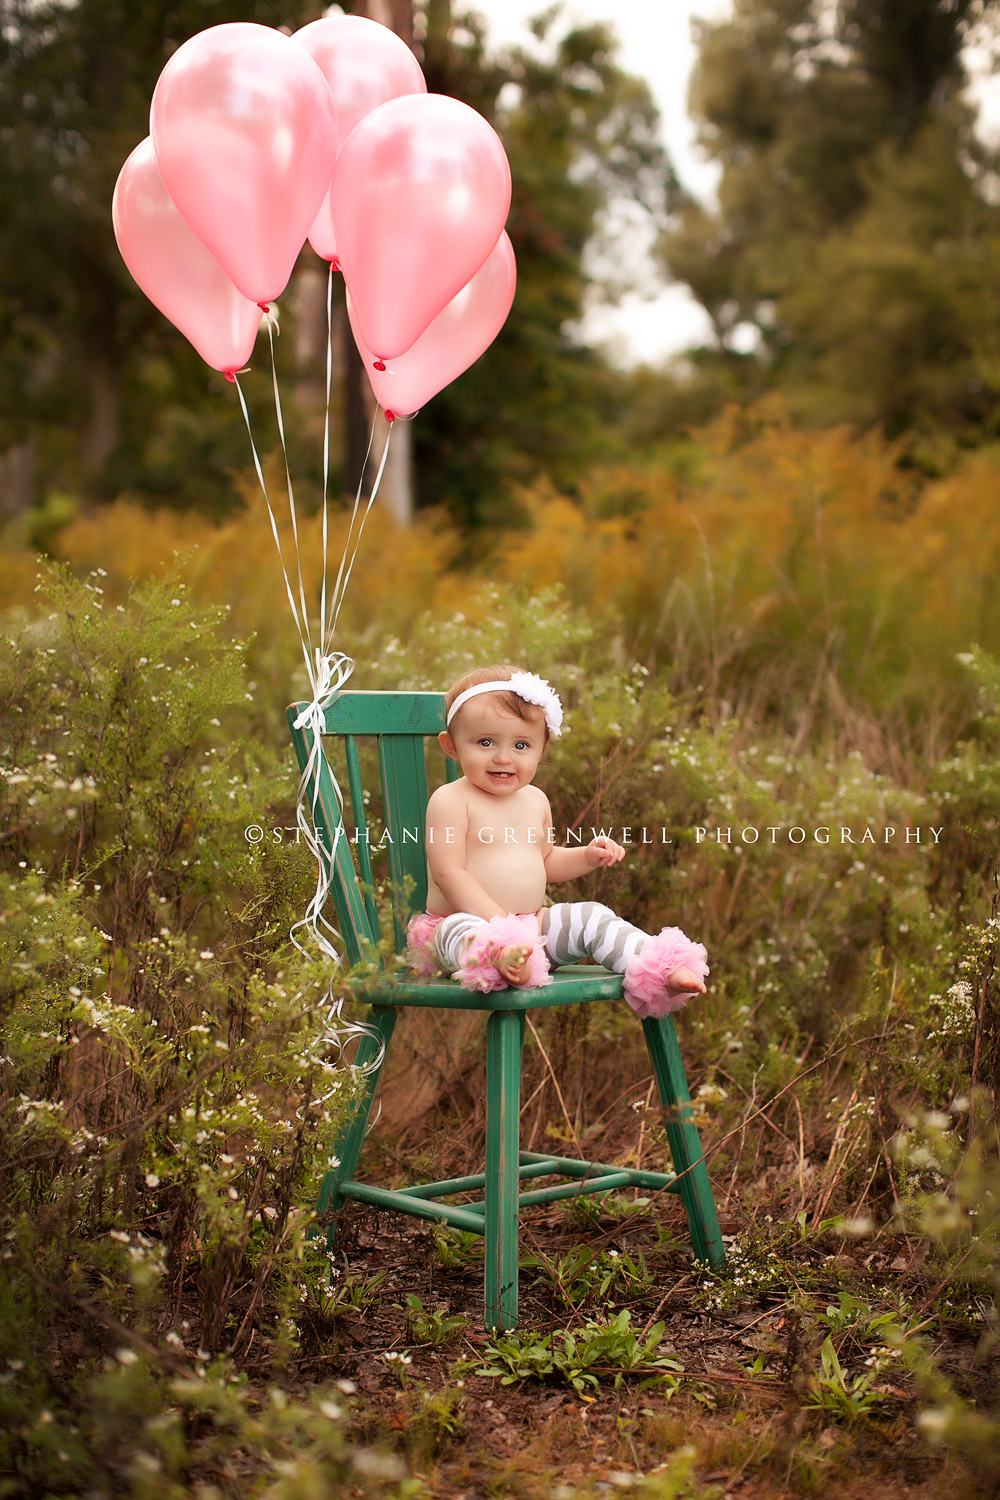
(501, 775)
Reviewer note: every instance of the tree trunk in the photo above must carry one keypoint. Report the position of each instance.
(17, 480)
(100, 439)
(396, 14)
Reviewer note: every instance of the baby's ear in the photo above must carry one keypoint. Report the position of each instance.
(447, 745)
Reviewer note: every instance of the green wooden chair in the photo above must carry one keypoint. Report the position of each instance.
(400, 722)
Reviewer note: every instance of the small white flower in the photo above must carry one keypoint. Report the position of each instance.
(933, 1421)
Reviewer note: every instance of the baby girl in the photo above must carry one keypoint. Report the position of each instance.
(491, 851)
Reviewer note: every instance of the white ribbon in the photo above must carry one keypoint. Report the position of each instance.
(328, 671)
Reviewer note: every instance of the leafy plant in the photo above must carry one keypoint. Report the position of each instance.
(600, 1350)
(584, 1276)
(431, 1326)
(332, 1291)
(456, 1248)
(166, 1096)
(439, 1417)
(852, 1314)
(839, 1394)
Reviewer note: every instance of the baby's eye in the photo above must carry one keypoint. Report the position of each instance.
(522, 745)
(485, 742)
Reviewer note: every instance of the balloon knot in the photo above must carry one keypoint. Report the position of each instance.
(390, 416)
(230, 376)
(265, 307)
(334, 264)
(380, 364)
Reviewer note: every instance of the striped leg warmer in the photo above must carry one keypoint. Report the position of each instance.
(586, 929)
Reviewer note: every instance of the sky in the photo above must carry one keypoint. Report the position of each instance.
(655, 37)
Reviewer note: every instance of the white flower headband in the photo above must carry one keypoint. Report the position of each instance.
(526, 685)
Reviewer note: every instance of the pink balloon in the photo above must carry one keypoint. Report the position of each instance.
(420, 194)
(365, 65)
(245, 133)
(454, 341)
(174, 268)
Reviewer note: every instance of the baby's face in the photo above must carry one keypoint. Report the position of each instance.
(498, 752)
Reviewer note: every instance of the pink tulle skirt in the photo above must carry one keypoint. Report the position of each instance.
(477, 970)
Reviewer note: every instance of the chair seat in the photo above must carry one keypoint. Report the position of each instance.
(571, 984)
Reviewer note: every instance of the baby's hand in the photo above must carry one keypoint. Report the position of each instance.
(603, 851)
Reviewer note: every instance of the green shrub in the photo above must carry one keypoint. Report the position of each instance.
(166, 1104)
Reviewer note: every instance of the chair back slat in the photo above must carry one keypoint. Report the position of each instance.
(361, 824)
(321, 800)
(385, 713)
(400, 722)
(404, 794)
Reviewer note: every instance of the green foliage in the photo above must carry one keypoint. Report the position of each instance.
(854, 1316)
(134, 1430)
(437, 1420)
(584, 1276)
(839, 1395)
(431, 1325)
(579, 132)
(330, 1291)
(608, 1349)
(456, 1247)
(851, 261)
(166, 1104)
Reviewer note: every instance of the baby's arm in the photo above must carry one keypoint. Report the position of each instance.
(569, 864)
(447, 841)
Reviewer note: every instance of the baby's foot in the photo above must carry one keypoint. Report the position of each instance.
(513, 963)
(683, 980)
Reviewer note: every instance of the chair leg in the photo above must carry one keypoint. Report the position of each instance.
(383, 1019)
(504, 1034)
(685, 1143)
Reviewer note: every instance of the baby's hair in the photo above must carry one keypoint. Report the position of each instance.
(531, 713)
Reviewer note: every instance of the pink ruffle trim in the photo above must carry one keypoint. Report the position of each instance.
(478, 971)
(647, 973)
(420, 953)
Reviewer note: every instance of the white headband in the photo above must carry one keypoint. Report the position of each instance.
(526, 685)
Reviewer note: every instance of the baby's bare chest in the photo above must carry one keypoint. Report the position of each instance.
(509, 824)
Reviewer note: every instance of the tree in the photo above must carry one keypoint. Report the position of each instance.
(579, 132)
(89, 371)
(852, 246)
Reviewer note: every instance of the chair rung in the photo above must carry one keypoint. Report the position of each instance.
(574, 1189)
(569, 1166)
(540, 1168)
(461, 1218)
(588, 1177)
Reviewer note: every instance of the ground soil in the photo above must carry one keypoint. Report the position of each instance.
(724, 1432)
